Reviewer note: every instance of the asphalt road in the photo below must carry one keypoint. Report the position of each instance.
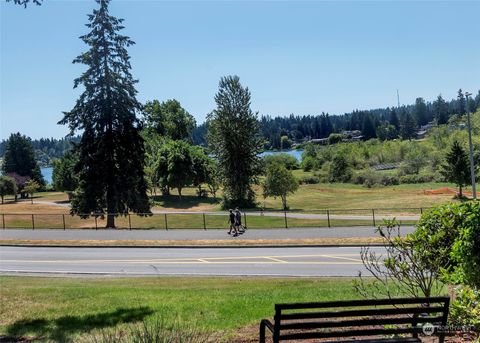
(288, 262)
(104, 234)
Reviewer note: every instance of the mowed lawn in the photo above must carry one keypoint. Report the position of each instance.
(63, 309)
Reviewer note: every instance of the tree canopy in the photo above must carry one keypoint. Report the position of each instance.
(169, 119)
(279, 182)
(20, 159)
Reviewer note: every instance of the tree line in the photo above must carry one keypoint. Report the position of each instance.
(383, 123)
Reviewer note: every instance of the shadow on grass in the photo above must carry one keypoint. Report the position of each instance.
(187, 201)
(62, 329)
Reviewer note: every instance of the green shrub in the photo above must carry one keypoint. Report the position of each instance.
(465, 309)
(340, 170)
(466, 248)
(309, 180)
(417, 178)
(309, 163)
(452, 234)
(289, 161)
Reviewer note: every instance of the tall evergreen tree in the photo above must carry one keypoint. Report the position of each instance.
(368, 127)
(457, 167)
(111, 150)
(421, 112)
(393, 119)
(461, 103)
(233, 136)
(440, 110)
(19, 158)
(408, 127)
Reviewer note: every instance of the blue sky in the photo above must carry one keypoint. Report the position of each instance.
(296, 57)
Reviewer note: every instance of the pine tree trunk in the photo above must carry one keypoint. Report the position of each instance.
(110, 221)
(180, 193)
(460, 194)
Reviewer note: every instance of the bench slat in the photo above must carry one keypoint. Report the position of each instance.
(360, 322)
(367, 312)
(375, 302)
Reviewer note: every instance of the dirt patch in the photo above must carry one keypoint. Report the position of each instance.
(26, 207)
(250, 334)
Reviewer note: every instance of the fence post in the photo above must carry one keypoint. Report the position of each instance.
(421, 210)
(63, 218)
(328, 218)
(3, 220)
(96, 226)
(285, 216)
(33, 223)
(166, 223)
(373, 216)
(204, 222)
(245, 219)
(129, 222)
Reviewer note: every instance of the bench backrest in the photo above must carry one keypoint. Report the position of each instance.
(359, 318)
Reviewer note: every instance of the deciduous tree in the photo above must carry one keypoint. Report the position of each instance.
(20, 158)
(279, 182)
(64, 175)
(169, 119)
(30, 188)
(7, 187)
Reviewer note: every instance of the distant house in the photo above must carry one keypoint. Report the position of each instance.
(321, 141)
(421, 134)
(352, 136)
(351, 133)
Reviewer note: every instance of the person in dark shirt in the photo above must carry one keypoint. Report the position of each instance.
(238, 220)
(231, 220)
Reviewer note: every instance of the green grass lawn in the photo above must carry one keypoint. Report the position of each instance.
(61, 309)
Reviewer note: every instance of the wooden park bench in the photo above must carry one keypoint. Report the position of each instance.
(365, 321)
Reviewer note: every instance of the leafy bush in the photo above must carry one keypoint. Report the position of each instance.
(417, 178)
(340, 170)
(466, 248)
(309, 163)
(309, 180)
(465, 309)
(370, 178)
(289, 161)
(452, 234)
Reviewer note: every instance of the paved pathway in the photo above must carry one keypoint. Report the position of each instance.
(193, 234)
(295, 262)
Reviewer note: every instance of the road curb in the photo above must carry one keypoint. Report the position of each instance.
(195, 246)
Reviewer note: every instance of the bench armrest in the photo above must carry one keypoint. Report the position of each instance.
(265, 323)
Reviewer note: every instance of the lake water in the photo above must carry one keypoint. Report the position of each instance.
(295, 153)
(47, 171)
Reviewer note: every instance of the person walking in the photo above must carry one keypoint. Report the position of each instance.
(231, 220)
(238, 220)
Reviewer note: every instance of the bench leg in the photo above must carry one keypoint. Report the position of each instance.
(262, 332)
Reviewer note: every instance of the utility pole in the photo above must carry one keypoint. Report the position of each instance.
(398, 99)
(472, 162)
